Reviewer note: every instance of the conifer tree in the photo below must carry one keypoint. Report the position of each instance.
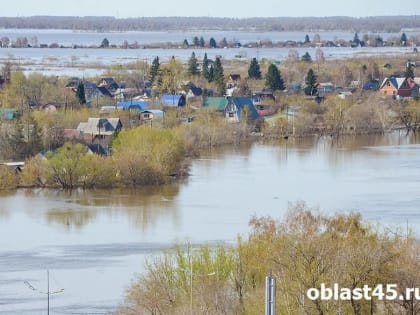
(218, 70)
(273, 79)
(311, 82)
(202, 42)
(212, 43)
(254, 71)
(80, 93)
(307, 58)
(193, 65)
(403, 40)
(154, 70)
(205, 68)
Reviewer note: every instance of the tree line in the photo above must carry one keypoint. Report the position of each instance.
(302, 251)
(107, 23)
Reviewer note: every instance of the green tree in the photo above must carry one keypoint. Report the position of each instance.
(356, 40)
(379, 41)
(80, 93)
(403, 40)
(205, 67)
(147, 155)
(98, 171)
(16, 140)
(154, 69)
(254, 71)
(170, 78)
(218, 76)
(212, 43)
(210, 75)
(105, 43)
(307, 40)
(185, 44)
(218, 70)
(202, 43)
(223, 43)
(273, 79)
(65, 166)
(307, 58)
(311, 83)
(196, 41)
(193, 65)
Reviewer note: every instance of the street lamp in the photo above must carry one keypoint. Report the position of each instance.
(48, 292)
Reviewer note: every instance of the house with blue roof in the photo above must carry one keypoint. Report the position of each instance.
(132, 104)
(173, 100)
(239, 108)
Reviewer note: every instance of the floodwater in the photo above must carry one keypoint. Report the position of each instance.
(94, 243)
(91, 62)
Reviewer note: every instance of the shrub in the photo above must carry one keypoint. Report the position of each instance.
(9, 179)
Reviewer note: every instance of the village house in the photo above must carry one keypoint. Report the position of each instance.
(233, 80)
(100, 129)
(232, 108)
(400, 86)
(264, 102)
(152, 117)
(173, 100)
(110, 84)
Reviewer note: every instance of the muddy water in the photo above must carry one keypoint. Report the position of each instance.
(94, 243)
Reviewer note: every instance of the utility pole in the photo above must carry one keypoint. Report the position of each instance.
(47, 293)
(270, 295)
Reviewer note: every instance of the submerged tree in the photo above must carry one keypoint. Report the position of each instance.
(105, 43)
(307, 58)
(403, 40)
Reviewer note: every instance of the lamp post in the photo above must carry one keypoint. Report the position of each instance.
(191, 286)
(47, 293)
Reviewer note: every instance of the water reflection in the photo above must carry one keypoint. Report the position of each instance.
(70, 218)
(142, 207)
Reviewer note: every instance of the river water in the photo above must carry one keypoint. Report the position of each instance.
(94, 243)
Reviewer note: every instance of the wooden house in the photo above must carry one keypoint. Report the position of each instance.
(400, 86)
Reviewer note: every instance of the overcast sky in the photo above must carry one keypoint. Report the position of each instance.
(212, 8)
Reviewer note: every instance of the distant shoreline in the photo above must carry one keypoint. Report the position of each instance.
(107, 23)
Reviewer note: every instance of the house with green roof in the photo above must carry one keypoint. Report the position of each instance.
(233, 108)
(9, 113)
(217, 103)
